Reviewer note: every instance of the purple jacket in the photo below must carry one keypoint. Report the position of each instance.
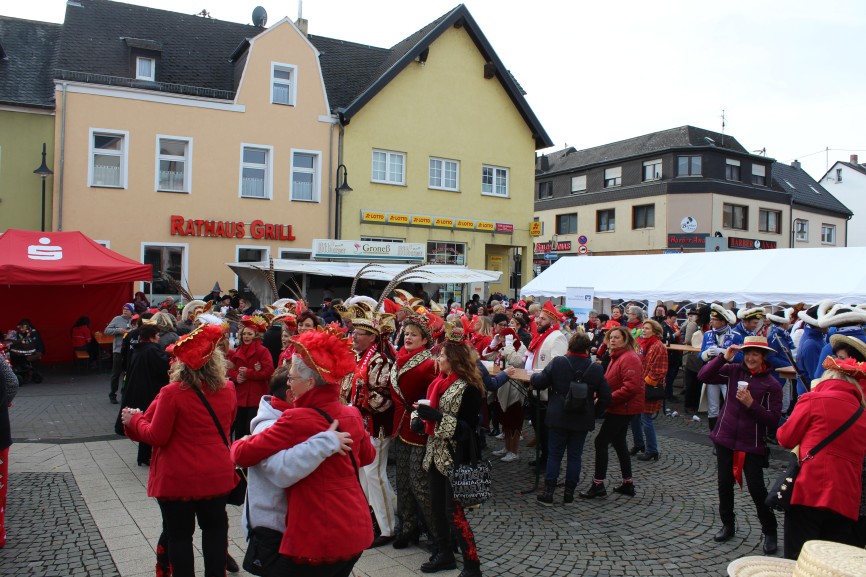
(740, 428)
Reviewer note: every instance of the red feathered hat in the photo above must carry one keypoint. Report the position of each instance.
(391, 307)
(327, 351)
(194, 349)
(255, 322)
(849, 366)
(550, 310)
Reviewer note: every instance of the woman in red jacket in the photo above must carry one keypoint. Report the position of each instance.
(826, 499)
(328, 519)
(250, 368)
(413, 371)
(654, 359)
(191, 472)
(625, 377)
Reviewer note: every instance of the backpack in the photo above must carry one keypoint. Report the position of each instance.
(577, 394)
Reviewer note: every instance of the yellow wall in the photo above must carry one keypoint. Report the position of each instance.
(21, 136)
(444, 109)
(129, 217)
(815, 221)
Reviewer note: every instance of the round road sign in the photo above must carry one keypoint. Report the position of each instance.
(582, 249)
(581, 239)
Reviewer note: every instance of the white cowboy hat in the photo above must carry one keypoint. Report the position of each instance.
(817, 559)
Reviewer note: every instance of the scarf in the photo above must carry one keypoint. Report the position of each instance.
(403, 355)
(646, 343)
(435, 391)
(632, 325)
(578, 355)
(361, 372)
(762, 369)
(539, 338)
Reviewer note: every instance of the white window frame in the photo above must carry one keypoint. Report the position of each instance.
(187, 163)
(123, 154)
(317, 175)
(578, 183)
(613, 174)
(657, 175)
(240, 247)
(495, 178)
(269, 171)
(825, 227)
(760, 171)
(184, 274)
(138, 62)
(292, 84)
(442, 161)
(388, 154)
(801, 230)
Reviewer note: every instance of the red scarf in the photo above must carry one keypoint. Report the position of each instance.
(403, 355)
(538, 339)
(434, 392)
(762, 369)
(646, 343)
(361, 372)
(634, 324)
(579, 355)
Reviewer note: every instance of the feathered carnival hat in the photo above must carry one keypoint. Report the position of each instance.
(717, 311)
(423, 322)
(194, 308)
(849, 366)
(390, 306)
(327, 351)
(566, 312)
(550, 310)
(752, 313)
(195, 348)
(213, 319)
(406, 300)
(255, 322)
(373, 321)
(455, 334)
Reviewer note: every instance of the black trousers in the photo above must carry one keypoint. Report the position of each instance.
(241, 426)
(613, 431)
(691, 388)
(179, 518)
(808, 523)
(447, 511)
(285, 567)
(116, 371)
(538, 415)
(753, 472)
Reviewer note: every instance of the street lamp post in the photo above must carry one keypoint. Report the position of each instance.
(44, 172)
(342, 189)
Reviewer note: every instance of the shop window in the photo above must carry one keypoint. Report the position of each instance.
(169, 259)
(446, 252)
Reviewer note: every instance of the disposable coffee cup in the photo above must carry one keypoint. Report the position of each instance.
(424, 402)
(742, 385)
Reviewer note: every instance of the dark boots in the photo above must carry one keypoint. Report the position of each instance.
(711, 421)
(595, 490)
(725, 533)
(546, 498)
(770, 543)
(569, 493)
(439, 562)
(471, 569)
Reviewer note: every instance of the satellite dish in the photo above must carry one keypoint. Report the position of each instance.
(260, 17)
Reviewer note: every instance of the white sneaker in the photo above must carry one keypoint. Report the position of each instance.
(509, 456)
(500, 436)
(499, 452)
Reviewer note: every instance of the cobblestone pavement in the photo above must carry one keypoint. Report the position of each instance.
(666, 529)
(50, 531)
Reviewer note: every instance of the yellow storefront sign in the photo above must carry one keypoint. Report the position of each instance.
(371, 216)
(418, 220)
(535, 228)
(466, 224)
(394, 218)
(485, 226)
(443, 222)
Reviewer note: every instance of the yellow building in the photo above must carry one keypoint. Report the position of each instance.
(439, 148)
(188, 151)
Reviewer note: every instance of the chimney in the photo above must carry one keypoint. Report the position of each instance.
(302, 24)
(854, 159)
(796, 164)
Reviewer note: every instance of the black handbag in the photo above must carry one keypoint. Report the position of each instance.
(263, 548)
(654, 393)
(470, 482)
(237, 495)
(779, 497)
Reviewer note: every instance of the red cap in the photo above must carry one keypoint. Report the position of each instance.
(550, 310)
(327, 351)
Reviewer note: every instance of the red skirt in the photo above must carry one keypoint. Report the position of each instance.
(511, 419)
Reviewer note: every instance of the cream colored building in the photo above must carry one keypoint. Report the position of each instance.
(189, 153)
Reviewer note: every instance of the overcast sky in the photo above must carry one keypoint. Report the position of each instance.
(787, 73)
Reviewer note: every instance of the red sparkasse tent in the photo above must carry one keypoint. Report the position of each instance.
(53, 278)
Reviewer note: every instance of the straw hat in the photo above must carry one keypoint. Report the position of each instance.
(852, 342)
(759, 343)
(817, 559)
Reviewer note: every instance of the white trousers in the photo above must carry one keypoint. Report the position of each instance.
(715, 394)
(377, 487)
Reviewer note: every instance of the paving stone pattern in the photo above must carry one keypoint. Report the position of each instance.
(50, 532)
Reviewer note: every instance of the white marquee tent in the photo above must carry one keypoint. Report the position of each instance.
(749, 276)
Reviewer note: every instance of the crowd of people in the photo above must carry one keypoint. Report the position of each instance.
(307, 412)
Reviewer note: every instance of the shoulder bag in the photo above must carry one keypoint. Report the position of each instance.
(470, 482)
(779, 497)
(654, 392)
(263, 548)
(236, 496)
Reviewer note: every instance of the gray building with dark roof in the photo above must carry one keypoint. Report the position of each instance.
(671, 190)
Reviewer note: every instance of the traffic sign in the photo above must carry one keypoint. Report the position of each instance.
(550, 256)
(582, 239)
(582, 249)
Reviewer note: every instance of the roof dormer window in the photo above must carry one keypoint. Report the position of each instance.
(145, 69)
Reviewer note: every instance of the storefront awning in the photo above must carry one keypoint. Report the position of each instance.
(253, 273)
